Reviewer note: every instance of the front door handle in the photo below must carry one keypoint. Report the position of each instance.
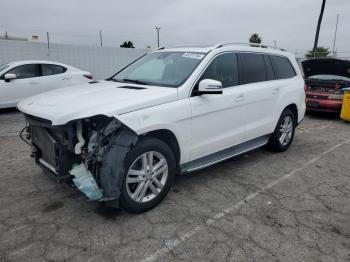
(240, 98)
(33, 82)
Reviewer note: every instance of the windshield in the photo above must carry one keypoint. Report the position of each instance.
(169, 69)
(3, 67)
(329, 77)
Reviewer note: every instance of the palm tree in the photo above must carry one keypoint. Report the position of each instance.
(318, 52)
(255, 38)
(319, 25)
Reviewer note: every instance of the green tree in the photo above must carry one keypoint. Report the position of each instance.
(127, 44)
(255, 39)
(319, 52)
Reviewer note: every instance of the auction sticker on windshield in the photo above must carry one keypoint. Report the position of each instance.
(193, 55)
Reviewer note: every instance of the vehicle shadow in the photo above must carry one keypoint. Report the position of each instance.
(8, 110)
(323, 115)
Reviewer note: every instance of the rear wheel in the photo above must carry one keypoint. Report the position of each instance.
(150, 171)
(284, 132)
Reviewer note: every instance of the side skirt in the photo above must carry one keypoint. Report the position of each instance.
(222, 155)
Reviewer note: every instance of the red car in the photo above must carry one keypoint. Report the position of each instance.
(324, 79)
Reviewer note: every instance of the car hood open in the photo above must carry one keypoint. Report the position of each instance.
(103, 98)
(326, 66)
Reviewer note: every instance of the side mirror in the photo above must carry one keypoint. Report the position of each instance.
(9, 77)
(209, 86)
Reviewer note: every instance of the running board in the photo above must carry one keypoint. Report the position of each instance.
(222, 155)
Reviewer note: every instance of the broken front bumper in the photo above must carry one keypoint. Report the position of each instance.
(48, 149)
(54, 149)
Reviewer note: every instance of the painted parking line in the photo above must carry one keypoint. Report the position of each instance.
(170, 245)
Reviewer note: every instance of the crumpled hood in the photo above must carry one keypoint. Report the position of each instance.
(326, 66)
(103, 98)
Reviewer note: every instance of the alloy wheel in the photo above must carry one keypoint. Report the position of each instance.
(286, 130)
(147, 176)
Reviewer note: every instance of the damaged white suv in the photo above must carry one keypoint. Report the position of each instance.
(171, 111)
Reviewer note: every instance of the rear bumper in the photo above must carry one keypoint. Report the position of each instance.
(324, 105)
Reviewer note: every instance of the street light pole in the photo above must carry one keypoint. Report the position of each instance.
(335, 34)
(158, 28)
(101, 37)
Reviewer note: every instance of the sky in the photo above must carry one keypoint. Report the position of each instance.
(291, 23)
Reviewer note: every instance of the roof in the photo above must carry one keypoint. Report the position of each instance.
(21, 62)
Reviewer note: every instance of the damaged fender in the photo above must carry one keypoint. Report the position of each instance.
(112, 162)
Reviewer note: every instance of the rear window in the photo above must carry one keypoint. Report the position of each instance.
(282, 67)
(252, 68)
(49, 69)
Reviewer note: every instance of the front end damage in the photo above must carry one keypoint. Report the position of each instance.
(98, 144)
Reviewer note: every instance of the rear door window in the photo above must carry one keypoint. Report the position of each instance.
(49, 69)
(282, 67)
(25, 71)
(223, 68)
(251, 68)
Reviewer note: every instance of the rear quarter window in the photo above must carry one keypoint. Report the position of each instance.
(49, 69)
(282, 67)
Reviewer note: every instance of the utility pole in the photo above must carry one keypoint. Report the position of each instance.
(318, 27)
(101, 37)
(48, 40)
(274, 41)
(158, 28)
(48, 43)
(335, 34)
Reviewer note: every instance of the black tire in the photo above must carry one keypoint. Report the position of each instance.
(145, 145)
(274, 143)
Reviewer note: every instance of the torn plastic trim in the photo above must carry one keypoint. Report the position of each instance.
(104, 154)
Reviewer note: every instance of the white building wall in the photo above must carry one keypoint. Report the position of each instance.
(102, 62)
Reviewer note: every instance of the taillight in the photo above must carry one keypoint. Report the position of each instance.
(89, 76)
(305, 87)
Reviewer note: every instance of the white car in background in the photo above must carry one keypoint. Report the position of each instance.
(23, 79)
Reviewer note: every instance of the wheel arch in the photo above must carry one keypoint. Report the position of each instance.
(169, 138)
(293, 107)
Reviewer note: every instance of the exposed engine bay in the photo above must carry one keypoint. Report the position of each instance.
(325, 86)
(98, 144)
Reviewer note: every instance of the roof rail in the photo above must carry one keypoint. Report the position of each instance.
(248, 44)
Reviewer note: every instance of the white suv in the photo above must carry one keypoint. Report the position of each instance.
(171, 111)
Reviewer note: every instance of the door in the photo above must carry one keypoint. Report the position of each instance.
(24, 85)
(217, 119)
(256, 76)
(53, 77)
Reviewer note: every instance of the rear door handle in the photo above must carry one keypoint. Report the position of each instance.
(276, 90)
(240, 98)
(33, 82)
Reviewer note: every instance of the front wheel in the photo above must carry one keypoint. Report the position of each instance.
(284, 132)
(150, 171)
